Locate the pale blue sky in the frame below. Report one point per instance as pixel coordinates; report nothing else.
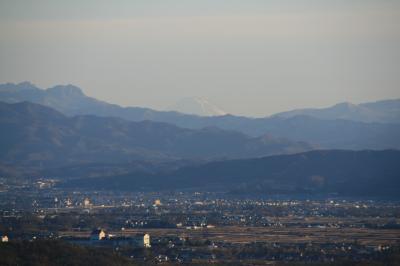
(248, 57)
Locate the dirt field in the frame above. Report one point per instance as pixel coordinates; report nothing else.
(235, 234)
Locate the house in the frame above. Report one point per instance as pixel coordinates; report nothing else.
(157, 202)
(98, 234)
(146, 241)
(86, 203)
(140, 240)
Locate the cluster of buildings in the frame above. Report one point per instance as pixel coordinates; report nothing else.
(100, 237)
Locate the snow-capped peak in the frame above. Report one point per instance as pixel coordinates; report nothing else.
(197, 106)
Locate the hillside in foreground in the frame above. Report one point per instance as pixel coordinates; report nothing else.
(335, 172)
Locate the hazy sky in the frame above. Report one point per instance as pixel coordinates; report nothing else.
(248, 57)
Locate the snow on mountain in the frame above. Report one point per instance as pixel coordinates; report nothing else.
(197, 106)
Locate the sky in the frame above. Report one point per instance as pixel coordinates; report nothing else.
(252, 57)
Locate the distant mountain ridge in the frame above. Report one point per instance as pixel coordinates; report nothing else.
(33, 134)
(385, 111)
(325, 133)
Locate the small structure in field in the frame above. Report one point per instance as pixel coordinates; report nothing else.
(98, 234)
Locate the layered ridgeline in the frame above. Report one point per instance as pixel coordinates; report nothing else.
(334, 172)
(385, 111)
(344, 126)
(35, 135)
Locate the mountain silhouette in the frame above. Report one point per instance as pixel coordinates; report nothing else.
(330, 130)
(33, 134)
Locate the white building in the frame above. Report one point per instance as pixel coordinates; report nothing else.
(86, 202)
(146, 241)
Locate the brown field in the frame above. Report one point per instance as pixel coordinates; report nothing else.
(236, 234)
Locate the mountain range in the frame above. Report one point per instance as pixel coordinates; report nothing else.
(344, 126)
(33, 134)
(385, 111)
(61, 132)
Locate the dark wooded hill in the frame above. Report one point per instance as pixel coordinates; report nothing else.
(350, 173)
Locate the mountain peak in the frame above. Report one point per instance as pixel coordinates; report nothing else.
(66, 90)
(22, 86)
(26, 84)
(197, 106)
(345, 105)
